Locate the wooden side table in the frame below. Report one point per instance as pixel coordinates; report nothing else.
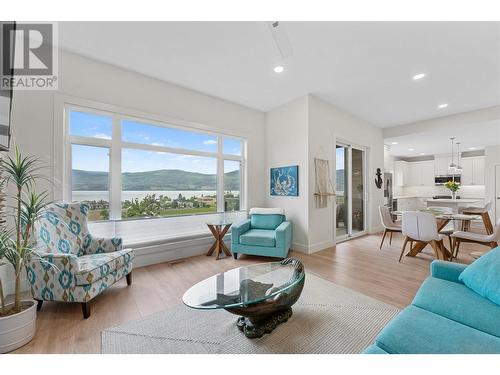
(219, 230)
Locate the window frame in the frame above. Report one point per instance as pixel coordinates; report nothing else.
(116, 145)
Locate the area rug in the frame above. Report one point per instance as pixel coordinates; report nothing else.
(327, 318)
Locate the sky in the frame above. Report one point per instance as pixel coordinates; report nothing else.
(100, 126)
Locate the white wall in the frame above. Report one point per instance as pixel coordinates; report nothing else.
(492, 159)
(306, 128)
(33, 114)
(286, 144)
(327, 124)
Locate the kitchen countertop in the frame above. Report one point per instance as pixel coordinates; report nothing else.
(460, 200)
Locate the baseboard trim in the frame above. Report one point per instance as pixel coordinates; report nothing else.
(300, 248)
(321, 246)
(376, 229)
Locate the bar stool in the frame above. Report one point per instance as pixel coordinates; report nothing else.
(481, 211)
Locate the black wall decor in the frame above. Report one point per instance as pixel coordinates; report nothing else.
(378, 179)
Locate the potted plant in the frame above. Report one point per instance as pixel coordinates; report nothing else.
(453, 187)
(17, 245)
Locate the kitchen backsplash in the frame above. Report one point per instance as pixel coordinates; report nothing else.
(430, 191)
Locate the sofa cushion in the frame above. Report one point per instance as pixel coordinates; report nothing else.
(270, 222)
(96, 266)
(374, 349)
(418, 331)
(457, 302)
(483, 275)
(259, 237)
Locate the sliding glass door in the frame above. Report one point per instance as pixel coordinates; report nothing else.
(350, 201)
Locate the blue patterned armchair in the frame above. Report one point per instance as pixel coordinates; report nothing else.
(72, 265)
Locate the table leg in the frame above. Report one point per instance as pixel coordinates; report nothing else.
(417, 248)
(219, 247)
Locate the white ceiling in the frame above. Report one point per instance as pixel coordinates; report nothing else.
(436, 140)
(365, 68)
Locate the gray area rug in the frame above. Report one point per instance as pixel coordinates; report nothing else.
(327, 318)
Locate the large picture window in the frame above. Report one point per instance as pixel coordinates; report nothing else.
(131, 168)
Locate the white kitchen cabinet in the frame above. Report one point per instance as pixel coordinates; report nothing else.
(427, 173)
(467, 177)
(441, 164)
(472, 171)
(421, 173)
(400, 173)
(478, 171)
(414, 172)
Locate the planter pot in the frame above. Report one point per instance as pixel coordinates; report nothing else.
(18, 329)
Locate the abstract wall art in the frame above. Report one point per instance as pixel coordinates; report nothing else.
(285, 181)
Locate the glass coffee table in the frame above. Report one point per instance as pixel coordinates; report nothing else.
(262, 294)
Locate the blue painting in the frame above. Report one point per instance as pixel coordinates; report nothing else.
(285, 181)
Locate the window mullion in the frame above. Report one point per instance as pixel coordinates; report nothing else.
(220, 175)
(115, 171)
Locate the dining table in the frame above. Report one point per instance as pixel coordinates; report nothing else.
(442, 219)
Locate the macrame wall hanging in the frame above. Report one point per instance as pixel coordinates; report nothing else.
(324, 186)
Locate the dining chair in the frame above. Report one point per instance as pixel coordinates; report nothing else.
(421, 227)
(481, 211)
(490, 240)
(389, 225)
(450, 227)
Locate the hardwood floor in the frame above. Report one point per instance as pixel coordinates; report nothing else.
(357, 264)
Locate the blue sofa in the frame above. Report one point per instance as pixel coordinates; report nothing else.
(444, 317)
(266, 233)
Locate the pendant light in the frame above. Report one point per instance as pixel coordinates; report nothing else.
(459, 167)
(452, 167)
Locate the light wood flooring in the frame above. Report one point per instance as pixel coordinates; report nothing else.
(357, 264)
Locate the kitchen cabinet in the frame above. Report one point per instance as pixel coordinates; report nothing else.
(478, 171)
(441, 164)
(401, 173)
(421, 173)
(472, 171)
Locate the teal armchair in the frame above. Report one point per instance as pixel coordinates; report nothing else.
(265, 233)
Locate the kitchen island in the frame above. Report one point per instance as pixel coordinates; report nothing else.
(455, 204)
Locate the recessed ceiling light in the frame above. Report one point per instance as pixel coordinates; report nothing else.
(279, 69)
(411, 149)
(394, 143)
(444, 105)
(418, 76)
(472, 148)
(422, 153)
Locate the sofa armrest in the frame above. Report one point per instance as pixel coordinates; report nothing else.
(99, 245)
(238, 229)
(58, 261)
(284, 235)
(447, 270)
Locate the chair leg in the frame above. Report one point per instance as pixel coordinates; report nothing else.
(403, 249)
(129, 278)
(86, 310)
(436, 246)
(39, 303)
(457, 244)
(383, 238)
(487, 222)
(390, 239)
(451, 245)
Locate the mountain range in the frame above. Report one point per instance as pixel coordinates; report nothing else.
(163, 179)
